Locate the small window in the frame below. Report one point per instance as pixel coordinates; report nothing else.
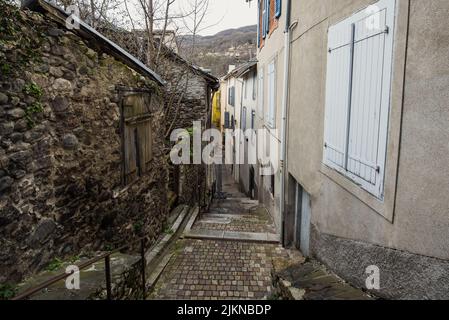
(231, 95)
(243, 119)
(272, 180)
(246, 88)
(226, 120)
(271, 115)
(137, 137)
(260, 100)
(253, 119)
(254, 86)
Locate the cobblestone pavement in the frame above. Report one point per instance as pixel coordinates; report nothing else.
(215, 269)
(207, 268)
(219, 270)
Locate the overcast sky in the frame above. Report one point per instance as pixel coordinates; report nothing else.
(228, 14)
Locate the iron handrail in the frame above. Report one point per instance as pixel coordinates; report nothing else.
(107, 259)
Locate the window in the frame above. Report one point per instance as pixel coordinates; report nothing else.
(254, 86)
(137, 137)
(358, 95)
(278, 8)
(272, 184)
(226, 120)
(243, 125)
(231, 96)
(271, 115)
(265, 24)
(253, 120)
(246, 87)
(260, 102)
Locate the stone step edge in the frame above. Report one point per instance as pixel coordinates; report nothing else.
(252, 237)
(156, 274)
(158, 249)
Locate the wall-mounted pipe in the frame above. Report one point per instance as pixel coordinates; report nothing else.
(287, 38)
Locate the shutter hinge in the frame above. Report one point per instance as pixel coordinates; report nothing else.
(378, 169)
(325, 145)
(387, 30)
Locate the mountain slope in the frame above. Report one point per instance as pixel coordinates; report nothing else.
(233, 46)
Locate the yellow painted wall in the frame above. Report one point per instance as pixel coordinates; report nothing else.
(216, 109)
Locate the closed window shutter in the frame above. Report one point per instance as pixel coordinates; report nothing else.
(371, 98)
(278, 8)
(337, 92)
(264, 18)
(271, 94)
(226, 120)
(267, 16)
(358, 95)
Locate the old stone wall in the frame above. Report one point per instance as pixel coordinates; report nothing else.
(61, 189)
(190, 95)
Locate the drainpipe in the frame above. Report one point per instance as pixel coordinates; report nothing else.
(287, 36)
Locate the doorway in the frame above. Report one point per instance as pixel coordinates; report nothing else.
(302, 221)
(299, 217)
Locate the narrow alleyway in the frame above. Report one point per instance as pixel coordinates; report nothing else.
(233, 252)
(228, 254)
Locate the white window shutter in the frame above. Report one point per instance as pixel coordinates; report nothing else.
(271, 116)
(358, 95)
(371, 97)
(337, 95)
(261, 92)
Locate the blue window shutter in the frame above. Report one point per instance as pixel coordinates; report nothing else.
(267, 16)
(278, 8)
(264, 17)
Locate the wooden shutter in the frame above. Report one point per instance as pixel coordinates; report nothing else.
(278, 9)
(130, 157)
(137, 136)
(358, 95)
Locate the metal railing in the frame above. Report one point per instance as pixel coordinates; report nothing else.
(107, 263)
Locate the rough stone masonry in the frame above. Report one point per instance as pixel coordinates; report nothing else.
(61, 179)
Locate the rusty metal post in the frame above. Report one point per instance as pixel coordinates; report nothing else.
(144, 265)
(107, 269)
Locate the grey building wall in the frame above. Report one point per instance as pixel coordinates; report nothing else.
(414, 217)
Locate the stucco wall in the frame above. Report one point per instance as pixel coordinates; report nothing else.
(272, 49)
(419, 208)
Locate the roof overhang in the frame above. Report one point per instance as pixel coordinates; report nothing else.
(92, 36)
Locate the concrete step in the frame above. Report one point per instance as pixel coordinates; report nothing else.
(268, 238)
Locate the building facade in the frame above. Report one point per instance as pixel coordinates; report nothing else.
(367, 151)
(270, 56)
(82, 155)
